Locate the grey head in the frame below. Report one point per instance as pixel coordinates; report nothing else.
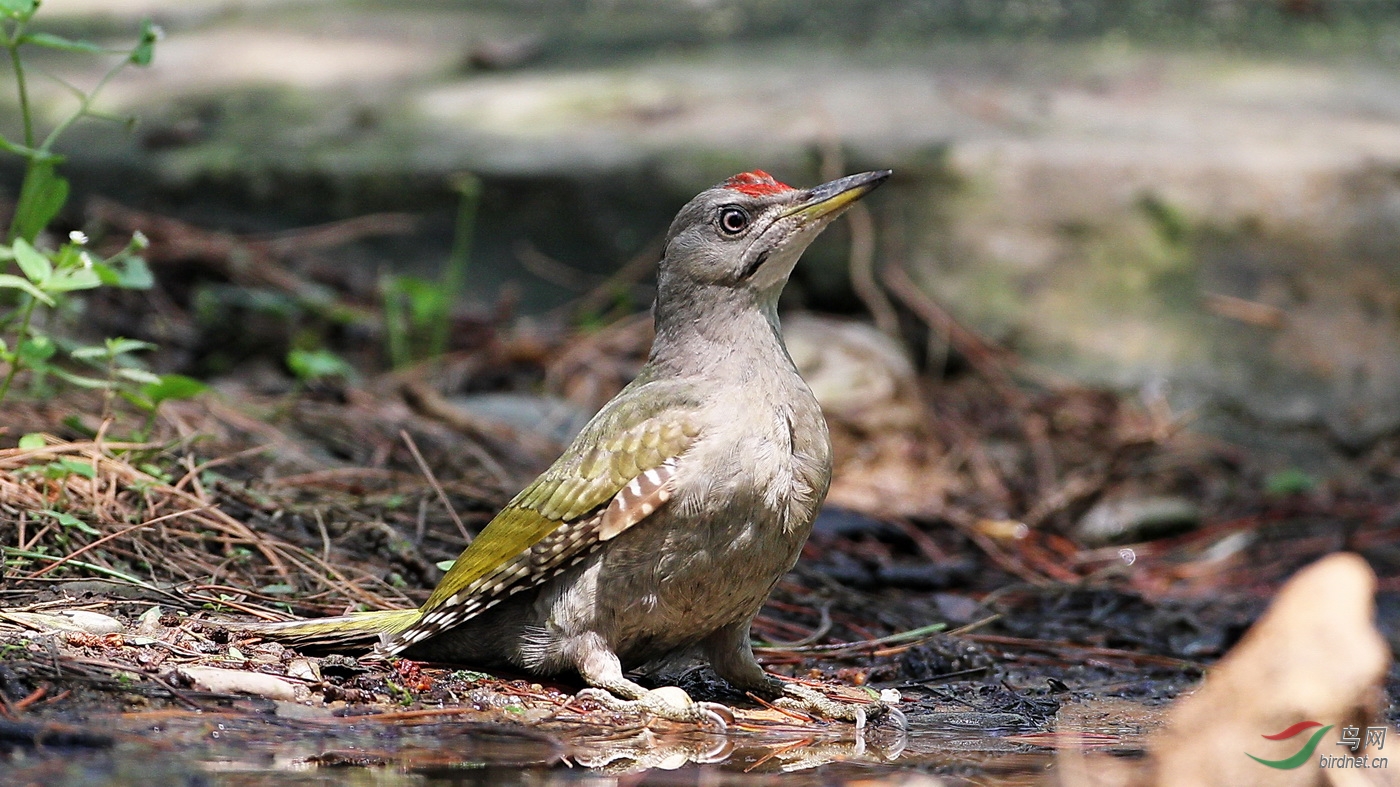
(738, 241)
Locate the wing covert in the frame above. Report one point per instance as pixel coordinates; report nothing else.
(617, 472)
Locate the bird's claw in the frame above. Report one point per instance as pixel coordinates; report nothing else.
(720, 715)
(806, 698)
(668, 702)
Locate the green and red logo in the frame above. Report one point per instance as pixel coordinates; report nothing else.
(1288, 763)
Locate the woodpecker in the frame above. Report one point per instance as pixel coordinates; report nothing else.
(661, 530)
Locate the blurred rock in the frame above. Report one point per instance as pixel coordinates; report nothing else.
(837, 521)
(548, 417)
(72, 620)
(958, 610)
(1388, 618)
(885, 463)
(228, 681)
(943, 656)
(846, 570)
(150, 624)
(1315, 655)
(1134, 519)
(926, 576)
(304, 669)
(861, 376)
(500, 53)
(93, 622)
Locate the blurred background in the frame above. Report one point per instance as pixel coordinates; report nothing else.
(1114, 352)
(1195, 200)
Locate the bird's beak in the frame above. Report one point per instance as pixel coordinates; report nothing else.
(830, 199)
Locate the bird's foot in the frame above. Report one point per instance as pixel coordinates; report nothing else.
(796, 696)
(668, 702)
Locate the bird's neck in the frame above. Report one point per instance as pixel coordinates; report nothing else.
(720, 334)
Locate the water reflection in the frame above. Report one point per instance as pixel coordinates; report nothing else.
(257, 746)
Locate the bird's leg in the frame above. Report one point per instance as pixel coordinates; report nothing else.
(731, 655)
(602, 670)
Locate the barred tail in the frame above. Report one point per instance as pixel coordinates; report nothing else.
(357, 631)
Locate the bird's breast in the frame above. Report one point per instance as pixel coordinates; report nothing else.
(745, 495)
(763, 461)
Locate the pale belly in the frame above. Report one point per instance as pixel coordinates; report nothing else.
(669, 594)
(705, 561)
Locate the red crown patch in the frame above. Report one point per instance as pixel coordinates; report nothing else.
(756, 184)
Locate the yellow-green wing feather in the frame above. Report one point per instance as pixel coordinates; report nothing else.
(559, 517)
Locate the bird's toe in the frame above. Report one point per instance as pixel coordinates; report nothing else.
(667, 702)
(806, 698)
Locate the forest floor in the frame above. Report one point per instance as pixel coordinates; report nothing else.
(1035, 566)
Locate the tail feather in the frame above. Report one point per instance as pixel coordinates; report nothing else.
(354, 632)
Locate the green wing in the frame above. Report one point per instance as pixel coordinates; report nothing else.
(558, 517)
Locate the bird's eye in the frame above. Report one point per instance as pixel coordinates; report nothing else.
(733, 220)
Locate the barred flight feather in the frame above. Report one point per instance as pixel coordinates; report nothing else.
(359, 630)
(567, 545)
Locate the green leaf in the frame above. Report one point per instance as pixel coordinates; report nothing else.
(78, 467)
(126, 271)
(427, 301)
(32, 441)
(1289, 482)
(9, 281)
(90, 353)
(109, 275)
(75, 279)
(155, 471)
(139, 401)
(71, 255)
(34, 263)
(310, 365)
(59, 42)
(139, 376)
(36, 351)
(61, 469)
(173, 386)
(146, 49)
(137, 274)
(18, 9)
(76, 426)
(40, 199)
(68, 520)
(446, 565)
(92, 383)
(118, 345)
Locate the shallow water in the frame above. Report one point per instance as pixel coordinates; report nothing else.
(247, 746)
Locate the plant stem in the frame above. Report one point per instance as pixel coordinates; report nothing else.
(19, 343)
(144, 433)
(396, 327)
(94, 568)
(84, 105)
(12, 44)
(111, 390)
(455, 276)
